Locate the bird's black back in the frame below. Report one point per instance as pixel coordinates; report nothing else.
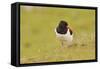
(71, 32)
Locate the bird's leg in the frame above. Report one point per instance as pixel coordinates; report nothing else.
(69, 43)
(62, 43)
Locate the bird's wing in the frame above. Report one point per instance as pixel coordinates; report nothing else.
(71, 32)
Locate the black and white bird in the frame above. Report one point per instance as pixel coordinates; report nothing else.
(64, 33)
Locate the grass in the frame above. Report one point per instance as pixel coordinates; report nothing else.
(38, 39)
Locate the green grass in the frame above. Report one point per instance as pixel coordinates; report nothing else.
(38, 39)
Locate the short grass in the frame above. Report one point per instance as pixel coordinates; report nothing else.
(38, 39)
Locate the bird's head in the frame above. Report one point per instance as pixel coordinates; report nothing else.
(63, 24)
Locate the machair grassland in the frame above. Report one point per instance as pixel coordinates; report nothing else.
(38, 39)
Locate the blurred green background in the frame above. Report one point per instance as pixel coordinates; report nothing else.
(38, 39)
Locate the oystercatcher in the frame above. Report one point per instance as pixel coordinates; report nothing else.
(64, 33)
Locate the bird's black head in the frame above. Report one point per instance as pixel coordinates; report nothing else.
(63, 24)
(62, 27)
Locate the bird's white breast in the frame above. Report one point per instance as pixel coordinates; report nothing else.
(66, 37)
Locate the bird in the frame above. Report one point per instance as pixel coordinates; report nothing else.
(64, 33)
